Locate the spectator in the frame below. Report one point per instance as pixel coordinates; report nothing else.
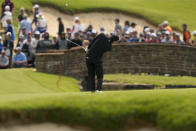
(55, 42)
(86, 44)
(68, 29)
(35, 41)
(19, 60)
(8, 45)
(45, 44)
(4, 60)
(21, 41)
(178, 40)
(7, 3)
(61, 26)
(41, 24)
(167, 27)
(126, 27)
(194, 40)
(1, 44)
(63, 43)
(78, 26)
(25, 24)
(167, 38)
(102, 30)
(76, 40)
(141, 37)
(36, 12)
(10, 29)
(132, 27)
(21, 15)
(186, 34)
(117, 27)
(6, 15)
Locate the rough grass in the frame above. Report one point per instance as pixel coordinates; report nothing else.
(159, 81)
(29, 96)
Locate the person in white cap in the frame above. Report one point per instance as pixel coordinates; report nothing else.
(19, 59)
(36, 12)
(167, 27)
(78, 26)
(21, 41)
(7, 3)
(167, 38)
(41, 24)
(178, 39)
(6, 15)
(4, 60)
(8, 44)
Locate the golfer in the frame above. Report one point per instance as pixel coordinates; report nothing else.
(96, 49)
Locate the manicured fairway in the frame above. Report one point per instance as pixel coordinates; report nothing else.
(32, 97)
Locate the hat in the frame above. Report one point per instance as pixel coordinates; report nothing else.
(177, 34)
(37, 33)
(68, 27)
(39, 16)
(153, 35)
(3, 51)
(18, 48)
(0, 38)
(165, 22)
(147, 30)
(76, 18)
(7, 8)
(21, 36)
(94, 31)
(194, 32)
(36, 6)
(8, 33)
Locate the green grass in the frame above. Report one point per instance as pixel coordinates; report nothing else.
(29, 81)
(32, 97)
(159, 81)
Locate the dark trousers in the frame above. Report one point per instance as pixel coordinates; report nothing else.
(95, 68)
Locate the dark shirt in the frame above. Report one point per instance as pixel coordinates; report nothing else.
(61, 28)
(20, 17)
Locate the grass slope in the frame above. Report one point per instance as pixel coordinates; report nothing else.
(158, 81)
(29, 81)
(29, 96)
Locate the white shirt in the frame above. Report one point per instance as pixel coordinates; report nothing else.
(78, 27)
(42, 23)
(7, 15)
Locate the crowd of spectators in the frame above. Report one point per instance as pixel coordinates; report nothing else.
(31, 41)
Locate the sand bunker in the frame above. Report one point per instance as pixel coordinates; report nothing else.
(97, 19)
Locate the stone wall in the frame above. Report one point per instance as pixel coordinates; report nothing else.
(125, 58)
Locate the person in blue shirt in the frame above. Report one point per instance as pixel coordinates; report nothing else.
(19, 60)
(10, 29)
(26, 25)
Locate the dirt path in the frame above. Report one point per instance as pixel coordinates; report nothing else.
(97, 19)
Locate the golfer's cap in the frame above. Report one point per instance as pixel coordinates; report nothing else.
(167, 32)
(7, 8)
(76, 18)
(8, 33)
(148, 33)
(21, 36)
(127, 32)
(0, 38)
(165, 22)
(36, 6)
(194, 32)
(18, 48)
(37, 33)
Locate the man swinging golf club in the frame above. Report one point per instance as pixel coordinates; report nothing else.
(96, 49)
